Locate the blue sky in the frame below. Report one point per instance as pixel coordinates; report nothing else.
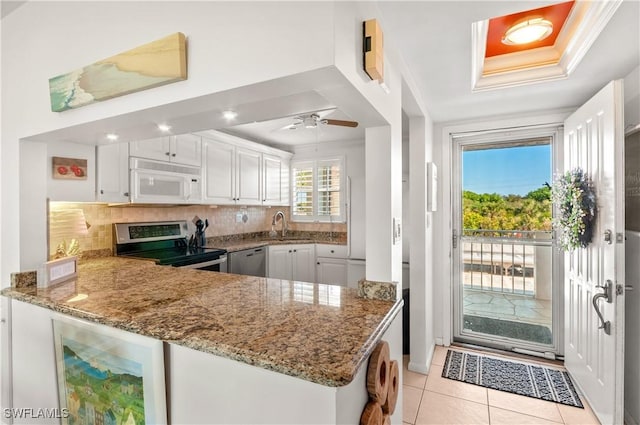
(506, 171)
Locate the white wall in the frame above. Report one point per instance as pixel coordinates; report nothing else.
(632, 99)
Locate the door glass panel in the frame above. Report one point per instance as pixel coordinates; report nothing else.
(506, 255)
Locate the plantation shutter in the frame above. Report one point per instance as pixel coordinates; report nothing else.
(329, 189)
(302, 189)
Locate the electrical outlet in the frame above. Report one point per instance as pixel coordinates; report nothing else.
(239, 217)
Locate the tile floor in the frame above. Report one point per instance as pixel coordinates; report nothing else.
(435, 400)
(496, 305)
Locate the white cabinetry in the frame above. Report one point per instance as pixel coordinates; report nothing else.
(275, 172)
(248, 176)
(231, 174)
(237, 171)
(181, 149)
(331, 264)
(332, 271)
(292, 262)
(113, 173)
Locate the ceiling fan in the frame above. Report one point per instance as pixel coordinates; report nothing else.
(312, 120)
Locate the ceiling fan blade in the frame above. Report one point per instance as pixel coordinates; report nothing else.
(342, 123)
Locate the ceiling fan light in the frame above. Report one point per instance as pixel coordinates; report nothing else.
(528, 31)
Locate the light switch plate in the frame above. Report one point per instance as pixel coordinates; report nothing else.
(397, 230)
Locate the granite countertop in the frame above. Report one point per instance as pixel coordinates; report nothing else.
(319, 333)
(240, 244)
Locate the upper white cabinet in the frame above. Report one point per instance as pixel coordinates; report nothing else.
(231, 174)
(275, 171)
(181, 149)
(113, 173)
(236, 171)
(249, 177)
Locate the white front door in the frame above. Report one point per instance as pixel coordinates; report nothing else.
(593, 141)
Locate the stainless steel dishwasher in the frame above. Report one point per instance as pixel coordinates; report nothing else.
(250, 262)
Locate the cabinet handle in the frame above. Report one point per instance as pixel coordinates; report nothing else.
(126, 194)
(289, 250)
(167, 153)
(332, 251)
(101, 192)
(295, 250)
(318, 263)
(173, 154)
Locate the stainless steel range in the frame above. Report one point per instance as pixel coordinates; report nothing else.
(166, 242)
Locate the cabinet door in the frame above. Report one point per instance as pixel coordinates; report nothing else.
(332, 271)
(272, 179)
(249, 177)
(186, 149)
(284, 183)
(113, 173)
(279, 262)
(158, 148)
(218, 169)
(304, 263)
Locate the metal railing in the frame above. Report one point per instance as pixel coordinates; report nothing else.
(506, 261)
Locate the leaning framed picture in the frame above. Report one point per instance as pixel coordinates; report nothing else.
(108, 376)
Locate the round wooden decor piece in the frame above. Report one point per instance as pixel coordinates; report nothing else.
(372, 414)
(389, 405)
(378, 372)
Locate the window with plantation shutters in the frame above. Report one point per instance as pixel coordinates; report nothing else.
(302, 202)
(318, 190)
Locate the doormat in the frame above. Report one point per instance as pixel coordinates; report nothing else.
(514, 377)
(516, 330)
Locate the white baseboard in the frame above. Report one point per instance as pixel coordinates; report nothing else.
(423, 368)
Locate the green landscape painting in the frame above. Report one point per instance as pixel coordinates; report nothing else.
(101, 388)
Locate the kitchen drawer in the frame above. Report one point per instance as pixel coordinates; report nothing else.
(331, 251)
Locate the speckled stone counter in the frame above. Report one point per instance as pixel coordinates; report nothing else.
(233, 245)
(319, 333)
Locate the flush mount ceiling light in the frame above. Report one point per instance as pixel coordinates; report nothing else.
(229, 115)
(112, 136)
(528, 31)
(164, 128)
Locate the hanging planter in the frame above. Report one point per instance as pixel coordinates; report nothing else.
(575, 200)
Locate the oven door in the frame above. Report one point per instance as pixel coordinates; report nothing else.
(218, 265)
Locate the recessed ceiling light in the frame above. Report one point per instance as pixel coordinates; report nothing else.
(164, 127)
(112, 136)
(229, 115)
(528, 31)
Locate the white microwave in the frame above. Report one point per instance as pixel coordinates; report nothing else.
(164, 183)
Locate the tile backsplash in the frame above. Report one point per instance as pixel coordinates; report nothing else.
(222, 220)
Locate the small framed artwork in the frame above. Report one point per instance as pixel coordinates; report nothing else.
(69, 168)
(108, 376)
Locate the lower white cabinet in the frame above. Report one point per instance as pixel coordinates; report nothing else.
(332, 271)
(292, 262)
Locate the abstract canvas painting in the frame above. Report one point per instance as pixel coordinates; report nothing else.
(154, 64)
(107, 376)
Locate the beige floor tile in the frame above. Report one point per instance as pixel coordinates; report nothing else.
(507, 417)
(441, 409)
(438, 384)
(525, 405)
(439, 355)
(576, 416)
(410, 403)
(414, 379)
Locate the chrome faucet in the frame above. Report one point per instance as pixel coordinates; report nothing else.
(280, 214)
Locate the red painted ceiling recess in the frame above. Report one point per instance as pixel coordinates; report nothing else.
(556, 13)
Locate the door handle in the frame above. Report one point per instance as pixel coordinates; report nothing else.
(608, 296)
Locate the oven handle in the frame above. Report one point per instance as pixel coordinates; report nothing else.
(222, 259)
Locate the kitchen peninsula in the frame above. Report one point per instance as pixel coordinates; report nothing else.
(238, 349)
